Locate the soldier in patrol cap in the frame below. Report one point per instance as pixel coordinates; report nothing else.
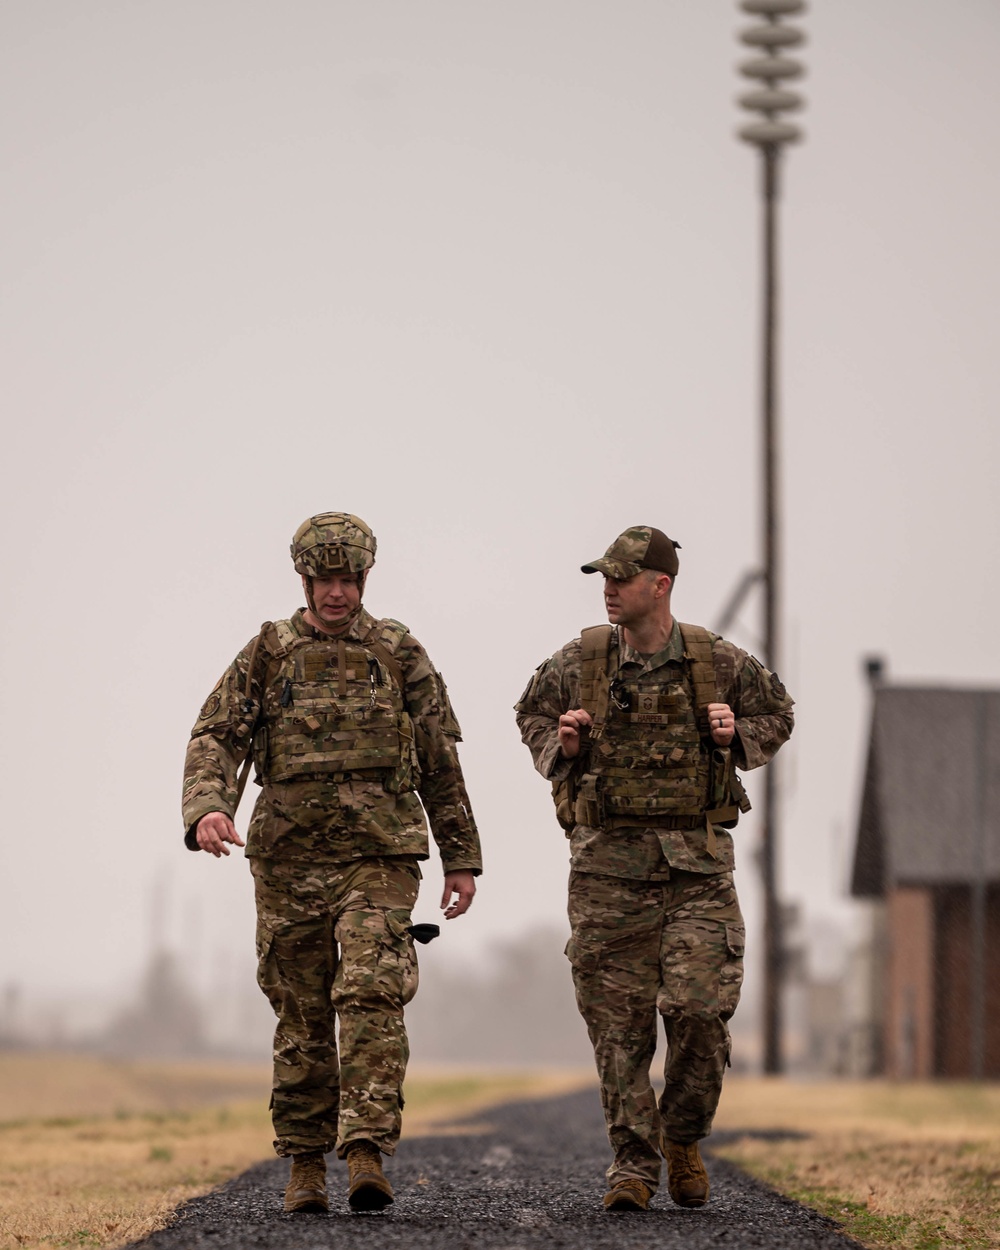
(353, 738)
(639, 726)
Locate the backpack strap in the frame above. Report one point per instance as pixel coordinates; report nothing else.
(698, 653)
(595, 650)
(241, 783)
(727, 790)
(384, 639)
(251, 666)
(284, 638)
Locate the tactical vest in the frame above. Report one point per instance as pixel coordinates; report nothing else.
(650, 758)
(647, 756)
(334, 707)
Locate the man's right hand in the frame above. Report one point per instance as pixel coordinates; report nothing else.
(572, 726)
(213, 831)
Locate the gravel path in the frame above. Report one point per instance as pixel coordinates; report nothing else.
(535, 1181)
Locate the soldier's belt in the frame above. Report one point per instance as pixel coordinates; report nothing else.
(317, 771)
(654, 820)
(634, 775)
(716, 816)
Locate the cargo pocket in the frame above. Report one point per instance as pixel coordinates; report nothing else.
(267, 969)
(564, 797)
(731, 975)
(584, 956)
(400, 953)
(588, 804)
(585, 961)
(378, 968)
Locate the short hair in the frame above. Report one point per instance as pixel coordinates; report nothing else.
(652, 574)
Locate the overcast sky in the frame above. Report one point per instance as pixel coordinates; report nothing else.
(487, 275)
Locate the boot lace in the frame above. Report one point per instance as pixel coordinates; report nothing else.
(364, 1157)
(685, 1163)
(309, 1172)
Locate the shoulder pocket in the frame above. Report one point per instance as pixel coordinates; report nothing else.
(449, 721)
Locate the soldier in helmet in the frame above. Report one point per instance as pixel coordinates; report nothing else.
(352, 737)
(639, 725)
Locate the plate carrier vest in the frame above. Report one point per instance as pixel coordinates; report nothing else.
(332, 707)
(650, 758)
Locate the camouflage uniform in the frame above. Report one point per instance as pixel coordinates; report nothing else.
(655, 922)
(335, 862)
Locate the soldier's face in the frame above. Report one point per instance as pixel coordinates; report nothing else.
(630, 601)
(336, 597)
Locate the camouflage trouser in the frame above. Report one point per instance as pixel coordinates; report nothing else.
(642, 947)
(332, 943)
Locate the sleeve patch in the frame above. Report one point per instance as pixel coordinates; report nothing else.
(210, 706)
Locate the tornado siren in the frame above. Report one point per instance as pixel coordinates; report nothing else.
(772, 70)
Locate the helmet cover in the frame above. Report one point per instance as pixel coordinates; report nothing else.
(333, 542)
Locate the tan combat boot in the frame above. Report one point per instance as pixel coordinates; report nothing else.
(368, 1188)
(306, 1189)
(628, 1195)
(687, 1179)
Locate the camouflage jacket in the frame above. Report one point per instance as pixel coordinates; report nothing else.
(326, 816)
(763, 712)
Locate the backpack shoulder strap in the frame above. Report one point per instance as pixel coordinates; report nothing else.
(264, 639)
(281, 637)
(595, 649)
(698, 653)
(276, 639)
(384, 639)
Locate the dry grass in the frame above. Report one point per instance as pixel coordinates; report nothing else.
(898, 1165)
(99, 1154)
(94, 1153)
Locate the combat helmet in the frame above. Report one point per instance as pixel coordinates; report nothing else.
(333, 542)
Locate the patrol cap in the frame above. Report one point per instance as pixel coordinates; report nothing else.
(640, 547)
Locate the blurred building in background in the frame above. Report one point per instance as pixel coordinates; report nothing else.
(928, 856)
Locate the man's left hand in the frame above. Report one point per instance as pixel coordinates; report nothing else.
(463, 883)
(721, 723)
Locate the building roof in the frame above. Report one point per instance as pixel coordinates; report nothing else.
(930, 810)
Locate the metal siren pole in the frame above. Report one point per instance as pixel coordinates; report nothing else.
(771, 68)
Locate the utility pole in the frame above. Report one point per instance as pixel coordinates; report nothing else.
(771, 69)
